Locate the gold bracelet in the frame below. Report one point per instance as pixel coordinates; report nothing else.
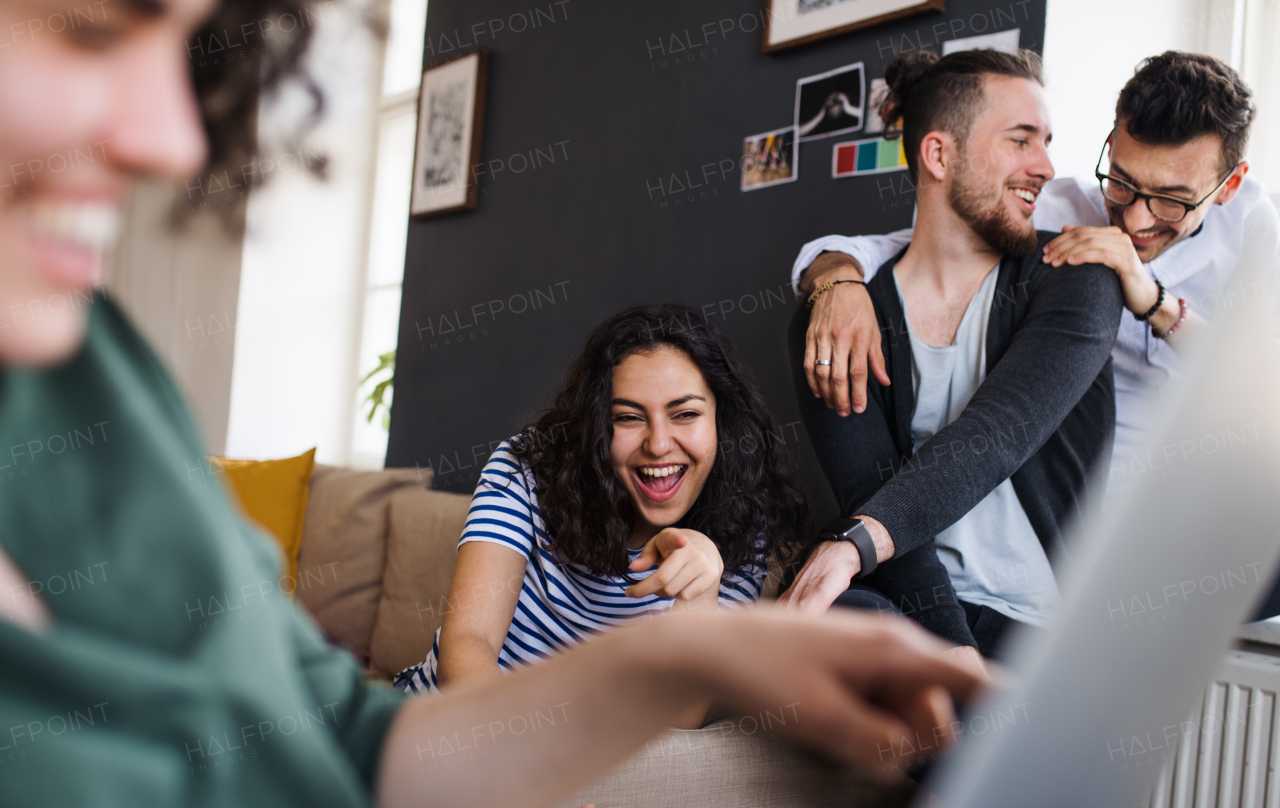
(824, 288)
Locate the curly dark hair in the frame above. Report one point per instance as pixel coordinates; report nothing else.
(245, 49)
(750, 495)
(945, 94)
(1176, 97)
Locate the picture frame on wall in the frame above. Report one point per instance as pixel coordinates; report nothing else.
(450, 125)
(798, 22)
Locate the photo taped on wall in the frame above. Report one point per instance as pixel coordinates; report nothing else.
(830, 103)
(768, 159)
(879, 91)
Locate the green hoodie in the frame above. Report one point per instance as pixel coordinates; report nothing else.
(175, 672)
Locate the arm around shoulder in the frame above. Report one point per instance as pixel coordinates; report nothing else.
(867, 253)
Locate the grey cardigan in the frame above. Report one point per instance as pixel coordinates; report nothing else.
(1044, 415)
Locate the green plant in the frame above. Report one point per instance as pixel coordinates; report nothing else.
(378, 398)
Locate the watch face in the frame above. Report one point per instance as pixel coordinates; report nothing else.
(839, 529)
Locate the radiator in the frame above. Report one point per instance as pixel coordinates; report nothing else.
(1228, 750)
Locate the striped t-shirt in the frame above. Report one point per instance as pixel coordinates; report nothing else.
(561, 603)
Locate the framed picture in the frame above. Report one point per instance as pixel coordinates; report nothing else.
(769, 159)
(450, 123)
(830, 103)
(795, 22)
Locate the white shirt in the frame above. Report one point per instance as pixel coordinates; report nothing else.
(992, 554)
(1196, 268)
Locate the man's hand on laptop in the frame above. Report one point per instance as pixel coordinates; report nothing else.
(842, 330)
(827, 573)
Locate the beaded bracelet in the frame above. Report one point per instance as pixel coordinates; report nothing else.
(1182, 315)
(824, 288)
(1159, 299)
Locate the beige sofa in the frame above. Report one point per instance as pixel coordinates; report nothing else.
(377, 552)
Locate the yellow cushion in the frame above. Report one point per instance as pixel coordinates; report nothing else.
(273, 493)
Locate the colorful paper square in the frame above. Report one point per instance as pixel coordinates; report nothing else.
(871, 156)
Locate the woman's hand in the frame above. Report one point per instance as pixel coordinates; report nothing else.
(689, 568)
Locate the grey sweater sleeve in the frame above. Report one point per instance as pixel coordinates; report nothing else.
(1056, 352)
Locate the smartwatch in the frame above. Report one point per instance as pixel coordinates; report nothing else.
(843, 528)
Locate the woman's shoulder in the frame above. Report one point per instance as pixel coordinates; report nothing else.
(508, 457)
(506, 468)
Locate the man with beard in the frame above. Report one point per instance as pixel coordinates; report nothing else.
(1170, 211)
(996, 398)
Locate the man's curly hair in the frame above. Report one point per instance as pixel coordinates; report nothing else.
(1176, 97)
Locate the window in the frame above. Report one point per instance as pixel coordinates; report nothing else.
(1254, 54)
(388, 218)
(1082, 91)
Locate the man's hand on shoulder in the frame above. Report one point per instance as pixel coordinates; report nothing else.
(1111, 247)
(843, 334)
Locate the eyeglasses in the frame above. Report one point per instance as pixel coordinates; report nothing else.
(1165, 208)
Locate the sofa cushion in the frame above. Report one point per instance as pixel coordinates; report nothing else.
(738, 763)
(344, 548)
(273, 493)
(422, 547)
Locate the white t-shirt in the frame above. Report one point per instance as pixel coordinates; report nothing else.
(992, 553)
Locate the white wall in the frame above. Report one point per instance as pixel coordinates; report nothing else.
(293, 384)
(1093, 46)
(180, 285)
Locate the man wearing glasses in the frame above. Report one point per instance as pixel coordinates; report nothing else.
(1171, 211)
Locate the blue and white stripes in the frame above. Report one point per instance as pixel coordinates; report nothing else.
(561, 604)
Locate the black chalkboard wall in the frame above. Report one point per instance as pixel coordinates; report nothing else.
(612, 138)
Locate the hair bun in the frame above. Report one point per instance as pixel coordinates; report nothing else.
(902, 74)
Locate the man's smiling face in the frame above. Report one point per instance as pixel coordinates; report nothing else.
(1004, 165)
(1187, 171)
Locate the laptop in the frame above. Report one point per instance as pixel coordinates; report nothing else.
(1156, 582)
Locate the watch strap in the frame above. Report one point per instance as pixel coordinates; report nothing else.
(844, 528)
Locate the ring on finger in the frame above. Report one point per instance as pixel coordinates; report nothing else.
(822, 363)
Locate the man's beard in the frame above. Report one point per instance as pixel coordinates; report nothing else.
(989, 221)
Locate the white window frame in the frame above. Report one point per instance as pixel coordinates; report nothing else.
(389, 107)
